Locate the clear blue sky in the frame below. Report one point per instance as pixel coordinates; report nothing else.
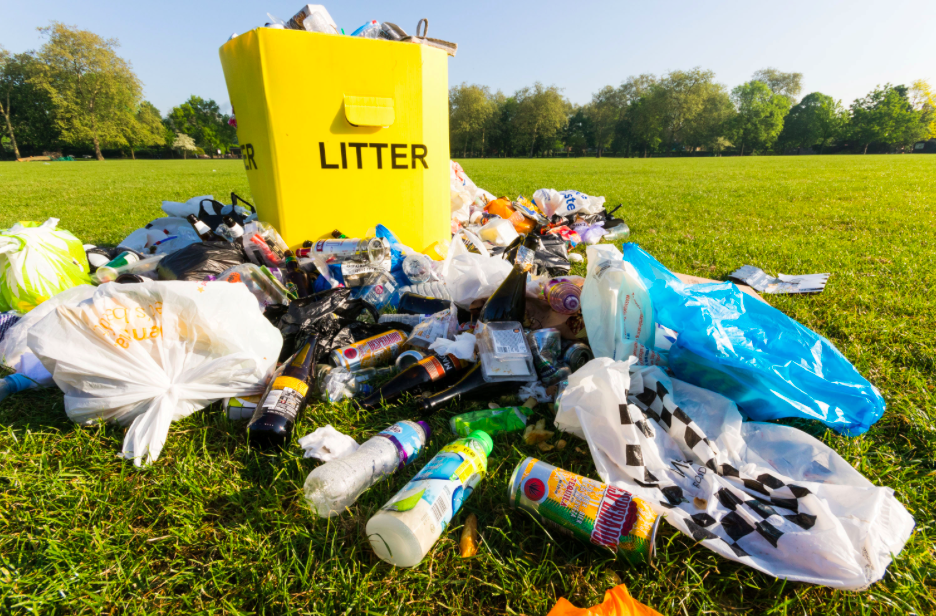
(843, 47)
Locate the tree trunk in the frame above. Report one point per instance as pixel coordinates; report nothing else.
(132, 153)
(533, 143)
(465, 150)
(866, 148)
(6, 114)
(742, 148)
(184, 154)
(482, 143)
(97, 149)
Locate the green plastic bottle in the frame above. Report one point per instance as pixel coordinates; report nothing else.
(493, 421)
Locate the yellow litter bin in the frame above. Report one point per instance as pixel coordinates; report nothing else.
(342, 132)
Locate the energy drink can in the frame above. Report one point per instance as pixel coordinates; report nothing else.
(370, 352)
(602, 514)
(577, 355)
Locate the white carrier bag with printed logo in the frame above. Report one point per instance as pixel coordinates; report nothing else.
(149, 354)
(766, 495)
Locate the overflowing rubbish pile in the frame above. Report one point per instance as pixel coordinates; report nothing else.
(208, 304)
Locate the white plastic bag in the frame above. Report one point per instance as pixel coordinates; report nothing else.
(168, 234)
(153, 353)
(567, 202)
(616, 306)
(469, 276)
(14, 348)
(193, 206)
(766, 495)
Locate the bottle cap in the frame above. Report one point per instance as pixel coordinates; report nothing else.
(485, 439)
(426, 429)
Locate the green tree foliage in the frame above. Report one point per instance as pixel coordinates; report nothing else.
(785, 84)
(90, 86)
(144, 128)
(603, 113)
(202, 120)
(759, 118)
(886, 116)
(695, 108)
(815, 120)
(579, 133)
(541, 112)
(470, 111)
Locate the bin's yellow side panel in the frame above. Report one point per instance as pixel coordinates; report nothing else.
(324, 172)
(243, 72)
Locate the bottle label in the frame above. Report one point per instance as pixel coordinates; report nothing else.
(285, 397)
(408, 440)
(439, 366)
(443, 484)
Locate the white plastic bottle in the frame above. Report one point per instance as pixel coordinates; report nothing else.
(616, 306)
(405, 529)
(335, 485)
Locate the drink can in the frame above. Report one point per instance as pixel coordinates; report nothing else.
(577, 355)
(408, 358)
(602, 514)
(375, 351)
(373, 250)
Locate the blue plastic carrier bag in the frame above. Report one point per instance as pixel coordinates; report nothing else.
(767, 363)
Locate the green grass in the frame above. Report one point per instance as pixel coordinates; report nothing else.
(215, 528)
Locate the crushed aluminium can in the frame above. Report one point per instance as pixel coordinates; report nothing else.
(602, 514)
(371, 352)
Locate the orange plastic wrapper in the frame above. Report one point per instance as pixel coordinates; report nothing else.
(617, 602)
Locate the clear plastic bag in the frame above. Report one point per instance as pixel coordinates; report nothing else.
(468, 275)
(616, 306)
(767, 363)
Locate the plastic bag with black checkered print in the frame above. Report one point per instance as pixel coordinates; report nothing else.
(769, 496)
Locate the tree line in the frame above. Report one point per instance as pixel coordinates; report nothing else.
(688, 112)
(77, 94)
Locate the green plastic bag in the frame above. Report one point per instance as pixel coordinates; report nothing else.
(37, 262)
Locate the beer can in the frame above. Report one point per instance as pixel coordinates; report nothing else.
(577, 355)
(602, 514)
(371, 352)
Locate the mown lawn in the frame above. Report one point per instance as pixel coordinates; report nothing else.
(215, 528)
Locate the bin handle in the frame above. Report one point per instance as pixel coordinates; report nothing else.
(371, 111)
(424, 22)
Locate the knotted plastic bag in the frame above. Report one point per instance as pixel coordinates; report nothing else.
(149, 354)
(37, 262)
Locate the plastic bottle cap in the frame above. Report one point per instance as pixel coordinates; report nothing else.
(426, 429)
(485, 438)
